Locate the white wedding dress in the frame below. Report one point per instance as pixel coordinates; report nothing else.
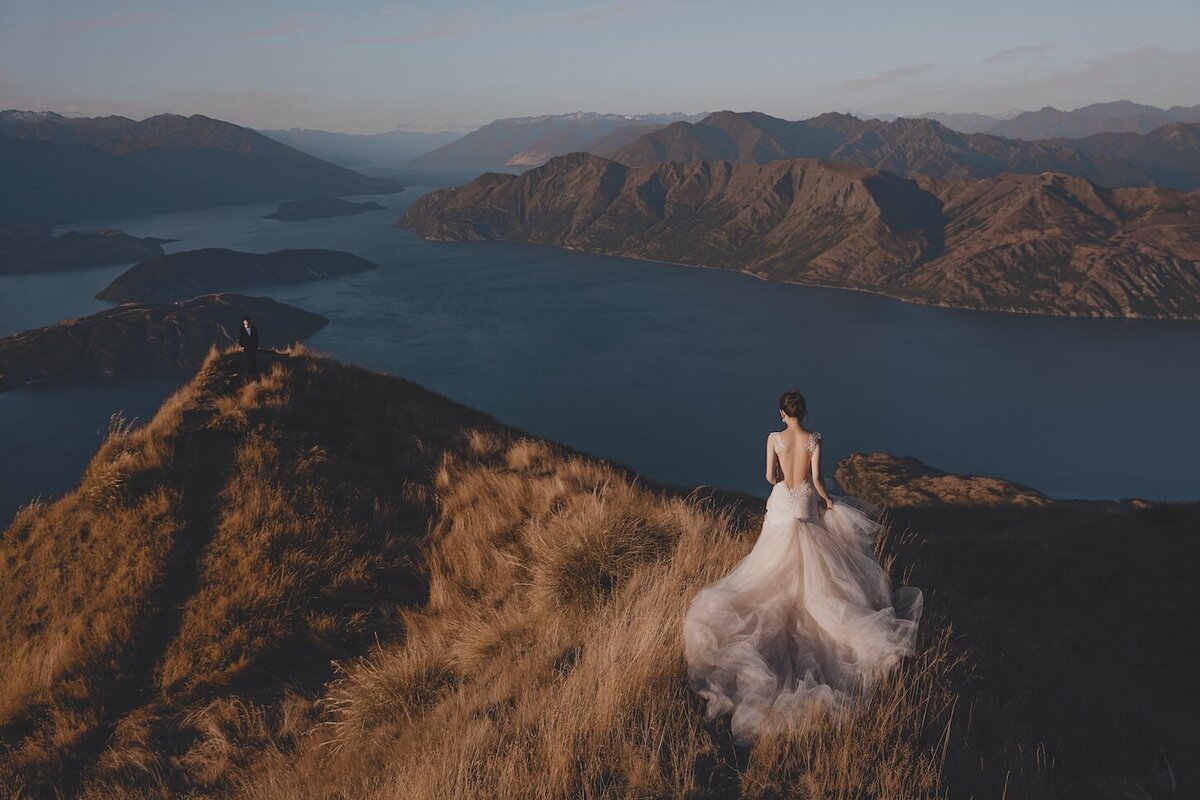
(807, 618)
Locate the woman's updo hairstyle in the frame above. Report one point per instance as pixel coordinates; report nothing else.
(792, 403)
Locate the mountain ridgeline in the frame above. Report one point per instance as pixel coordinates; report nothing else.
(1120, 116)
(62, 169)
(1168, 157)
(531, 141)
(1050, 243)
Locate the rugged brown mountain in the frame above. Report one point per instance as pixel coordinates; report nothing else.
(905, 146)
(136, 340)
(1033, 243)
(75, 249)
(179, 276)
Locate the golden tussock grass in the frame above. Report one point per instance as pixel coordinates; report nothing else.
(328, 583)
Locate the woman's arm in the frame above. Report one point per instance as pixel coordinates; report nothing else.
(771, 460)
(819, 484)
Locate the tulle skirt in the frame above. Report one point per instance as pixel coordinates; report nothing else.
(807, 618)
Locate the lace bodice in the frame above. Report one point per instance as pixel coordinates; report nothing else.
(799, 501)
(814, 439)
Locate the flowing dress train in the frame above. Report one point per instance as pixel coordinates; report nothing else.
(808, 617)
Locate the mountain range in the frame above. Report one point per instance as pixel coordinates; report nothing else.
(531, 141)
(1048, 243)
(363, 150)
(1169, 156)
(61, 169)
(1120, 116)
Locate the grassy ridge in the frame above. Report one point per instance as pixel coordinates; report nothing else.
(332, 583)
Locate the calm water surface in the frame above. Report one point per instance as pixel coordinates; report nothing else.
(673, 371)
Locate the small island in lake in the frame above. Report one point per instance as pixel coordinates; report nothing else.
(30, 248)
(133, 340)
(320, 208)
(182, 275)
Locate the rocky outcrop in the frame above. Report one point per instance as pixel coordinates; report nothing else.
(901, 482)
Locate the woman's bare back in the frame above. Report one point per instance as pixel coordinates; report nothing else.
(793, 451)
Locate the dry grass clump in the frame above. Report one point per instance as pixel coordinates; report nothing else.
(548, 661)
(329, 583)
(899, 747)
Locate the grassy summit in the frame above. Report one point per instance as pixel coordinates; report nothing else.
(333, 583)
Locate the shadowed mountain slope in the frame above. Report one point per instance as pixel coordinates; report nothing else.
(31, 249)
(505, 617)
(60, 169)
(1033, 243)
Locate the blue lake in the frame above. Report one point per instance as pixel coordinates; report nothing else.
(674, 371)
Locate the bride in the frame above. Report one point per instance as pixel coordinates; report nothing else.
(808, 617)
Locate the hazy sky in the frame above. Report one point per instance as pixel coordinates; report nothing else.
(366, 66)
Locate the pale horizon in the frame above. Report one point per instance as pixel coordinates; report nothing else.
(384, 66)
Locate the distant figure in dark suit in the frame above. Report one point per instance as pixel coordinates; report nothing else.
(248, 341)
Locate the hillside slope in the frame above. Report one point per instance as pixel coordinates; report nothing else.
(1050, 243)
(505, 618)
(133, 340)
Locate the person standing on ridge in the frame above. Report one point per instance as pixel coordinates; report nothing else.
(248, 341)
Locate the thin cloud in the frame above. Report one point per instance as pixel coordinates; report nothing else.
(439, 32)
(1155, 75)
(885, 77)
(123, 19)
(456, 24)
(252, 99)
(1025, 51)
(596, 13)
(284, 27)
